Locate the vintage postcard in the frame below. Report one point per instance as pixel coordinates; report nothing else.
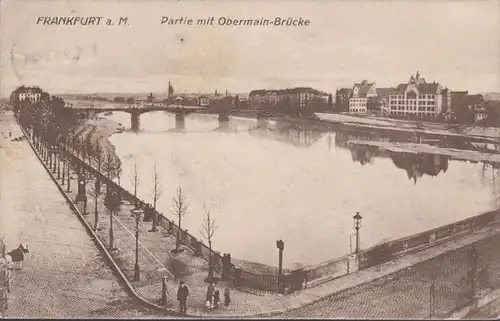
(250, 159)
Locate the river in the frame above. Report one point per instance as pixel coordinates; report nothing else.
(301, 186)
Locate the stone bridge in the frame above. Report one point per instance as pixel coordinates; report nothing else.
(179, 111)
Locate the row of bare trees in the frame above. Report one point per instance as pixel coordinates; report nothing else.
(105, 162)
(208, 228)
(180, 209)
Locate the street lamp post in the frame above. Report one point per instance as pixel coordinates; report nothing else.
(281, 246)
(357, 225)
(137, 213)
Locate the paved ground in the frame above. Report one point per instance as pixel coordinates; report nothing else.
(406, 294)
(489, 311)
(64, 276)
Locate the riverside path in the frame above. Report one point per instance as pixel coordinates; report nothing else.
(407, 293)
(64, 275)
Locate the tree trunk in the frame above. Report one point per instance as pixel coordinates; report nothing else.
(178, 240)
(69, 177)
(96, 214)
(64, 169)
(210, 265)
(111, 235)
(155, 223)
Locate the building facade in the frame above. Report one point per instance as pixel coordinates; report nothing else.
(342, 97)
(302, 99)
(204, 101)
(29, 94)
(384, 94)
(420, 99)
(361, 92)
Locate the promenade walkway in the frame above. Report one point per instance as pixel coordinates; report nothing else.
(64, 276)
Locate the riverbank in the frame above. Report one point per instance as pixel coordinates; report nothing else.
(99, 130)
(489, 134)
(411, 148)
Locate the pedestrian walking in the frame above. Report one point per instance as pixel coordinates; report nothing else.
(164, 290)
(216, 299)
(209, 296)
(227, 297)
(182, 295)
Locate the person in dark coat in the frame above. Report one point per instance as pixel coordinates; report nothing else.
(227, 297)
(182, 295)
(216, 299)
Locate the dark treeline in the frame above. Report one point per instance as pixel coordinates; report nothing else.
(53, 124)
(45, 114)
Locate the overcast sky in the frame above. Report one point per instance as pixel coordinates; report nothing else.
(454, 42)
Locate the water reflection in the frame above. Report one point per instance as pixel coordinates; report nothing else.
(276, 180)
(289, 133)
(418, 165)
(415, 164)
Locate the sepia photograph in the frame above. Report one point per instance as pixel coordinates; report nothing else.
(250, 159)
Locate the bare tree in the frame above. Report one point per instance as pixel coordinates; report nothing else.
(89, 149)
(134, 178)
(207, 231)
(83, 150)
(118, 172)
(77, 145)
(99, 155)
(95, 192)
(109, 167)
(179, 209)
(157, 190)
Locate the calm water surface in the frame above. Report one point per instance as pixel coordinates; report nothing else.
(301, 186)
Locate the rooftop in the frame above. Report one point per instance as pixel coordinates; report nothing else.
(296, 90)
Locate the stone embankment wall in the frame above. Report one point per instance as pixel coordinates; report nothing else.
(388, 251)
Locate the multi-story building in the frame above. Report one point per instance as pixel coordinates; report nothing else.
(299, 98)
(342, 97)
(30, 94)
(259, 98)
(204, 101)
(418, 98)
(361, 92)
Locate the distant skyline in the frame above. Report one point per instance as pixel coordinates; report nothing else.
(455, 43)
